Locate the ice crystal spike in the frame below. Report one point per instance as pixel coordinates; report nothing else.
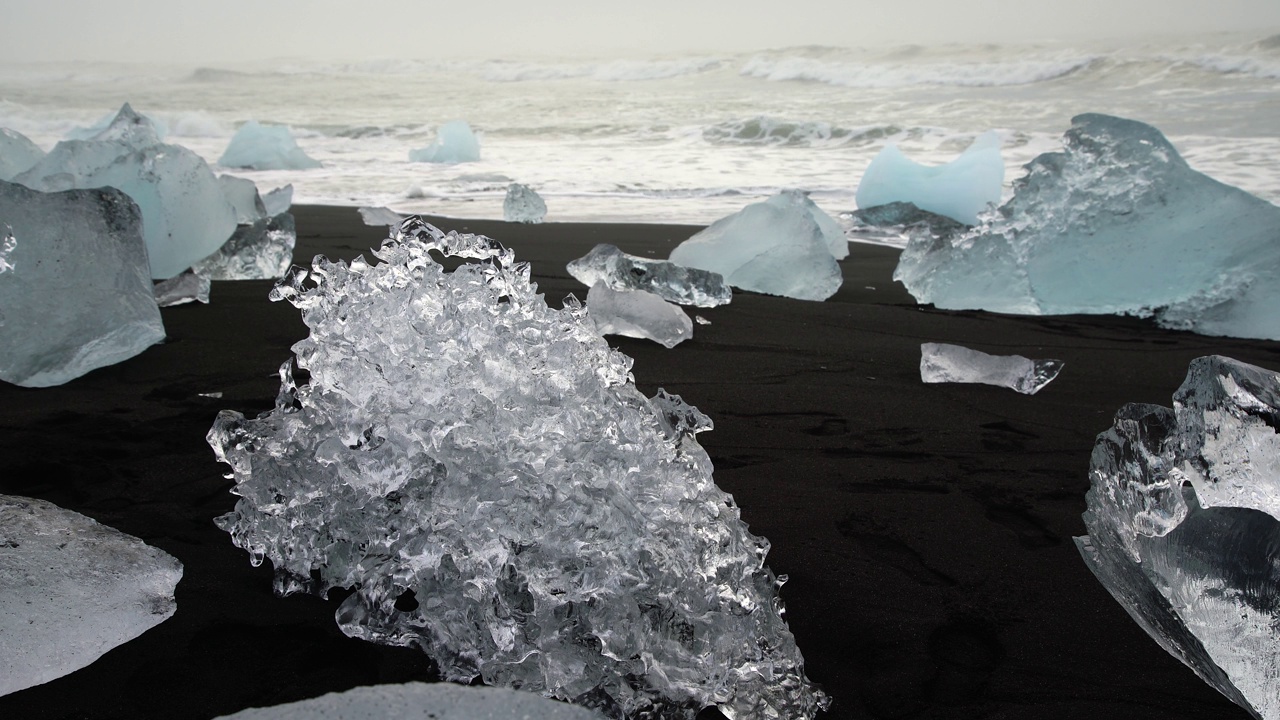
(461, 439)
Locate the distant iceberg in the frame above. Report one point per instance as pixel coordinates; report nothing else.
(455, 143)
(960, 189)
(523, 205)
(265, 147)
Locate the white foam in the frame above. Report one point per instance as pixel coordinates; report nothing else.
(889, 75)
(611, 71)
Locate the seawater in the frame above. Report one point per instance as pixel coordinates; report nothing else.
(679, 138)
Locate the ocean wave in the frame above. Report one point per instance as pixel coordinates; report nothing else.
(213, 75)
(609, 71)
(764, 130)
(891, 75)
(1239, 64)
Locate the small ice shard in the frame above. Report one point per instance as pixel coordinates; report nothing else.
(73, 589)
(129, 128)
(959, 189)
(673, 283)
(181, 289)
(278, 201)
(637, 314)
(942, 363)
(422, 701)
(454, 143)
(17, 154)
(836, 241)
(701, 320)
(262, 250)
(214, 395)
(243, 195)
(775, 248)
(460, 439)
(383, 216)
(1184, 521)
(79, 295)
(1116, 223)
(265, 147)
(523, 205)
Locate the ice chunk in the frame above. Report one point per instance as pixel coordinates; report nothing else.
(831, 231)
(78, 296)
(73, 589)
(7, 245)
(265, 147)
(896, 222)
(769, 247)
(960, 189)
(1183, 526)
(278, 201)
(673, 283)
(942, 363)
(637, 314)
(244, 198)
(182, 289)
(454, 143)
(129, 128)
(17, 154)
(420, 701)
(560, 533)
(523, 205)
(262, 250)
(381, 216)
(1117, 223)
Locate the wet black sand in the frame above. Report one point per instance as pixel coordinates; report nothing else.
(926, 529)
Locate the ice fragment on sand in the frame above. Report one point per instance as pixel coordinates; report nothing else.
(73, 589)
(243, 196)
(454, 143)
(265, 147)
(637, 314)
(960, 189)
(422, 701)
(17, 154)
(262, 250)
(278, 201)
(182, 289)
(1116, 223)
(673, 283)
(769, 247)
(460, 439)
(831, 231)
(1184, 521)
(381, 216)
(942, 363)
(523, 205)
(79, 296)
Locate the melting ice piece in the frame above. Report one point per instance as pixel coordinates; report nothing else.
(673, 283)
(769, 247)
(637, 314)
(278, 201)
(1117, 223)
(1184, 521)
(896, 222)
(262, 250)
(79, 296)
(17, 154)
(422, 701)
(243, 195)
(381, 216)
(960, 189)
(265, 147)
(460, 439)
(182, 289)
(831, 231)
(942, 363)
(73, 589)
(454, 143)
(523, 205)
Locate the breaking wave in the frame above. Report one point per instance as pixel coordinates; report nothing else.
(891, 75)
(613, 70)
(1233, 64)
(764, 130)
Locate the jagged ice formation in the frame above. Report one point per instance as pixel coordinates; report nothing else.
(523, 204)
(17, 154)
(943, 363)
(462, 441)
(669, 281)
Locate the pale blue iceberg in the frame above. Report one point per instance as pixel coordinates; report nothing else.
(1115, 223)
(637, 314)
(422, 701)
(265, 147)
(454, 143)
(523, 205)
(837, 243)
(17, 154)
(131, 128)
(960, 189)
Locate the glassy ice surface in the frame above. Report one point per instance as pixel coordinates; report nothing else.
(960, 189)
(243, 196)
(943, 363)
(17, 154)
(278, 201)
(1184, 525)
(775, 248)
(383, 216)
(265, 147)
(422, 701)
(182, 289)
(638, 314)
(673, 283)
(79, 295)
(262, 250)
(523, 205)
(455, 143)
(129, 128)
(831, 230)
(895, 223)
(73, 589)
(460, 439)
(1116, 223)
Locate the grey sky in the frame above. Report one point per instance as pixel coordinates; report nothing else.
(227, 30)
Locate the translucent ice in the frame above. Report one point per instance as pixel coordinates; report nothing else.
(1184, 521)
(73, 589)
(463, 444)
(942, 363)
(1116, 223)
(454, 143)
(385, 217)
(79, 295)
(265, 147)
(960, 189)
(422, 701)
(896, 222)
(17, 154)
(637, 314)
(278, 201)
(769, 247)
(182, 289)
(129, 128)
(673, 283)
(831, 231)
(243, 195)
(523, 205)
(262, 250)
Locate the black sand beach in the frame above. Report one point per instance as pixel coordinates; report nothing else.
(926, 529)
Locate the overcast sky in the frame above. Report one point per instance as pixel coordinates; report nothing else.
(225, 30)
